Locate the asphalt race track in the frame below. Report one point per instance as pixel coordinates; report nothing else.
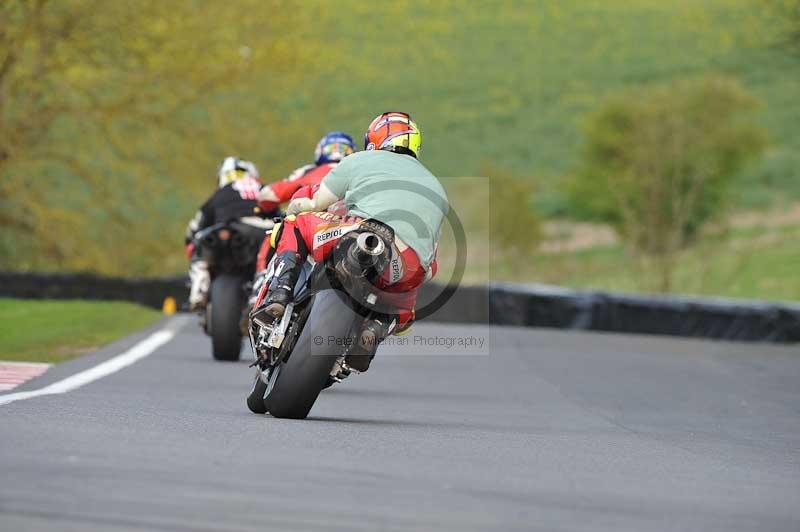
(540, 430)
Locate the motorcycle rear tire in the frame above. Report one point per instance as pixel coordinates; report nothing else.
(227, 302)
(308, 369)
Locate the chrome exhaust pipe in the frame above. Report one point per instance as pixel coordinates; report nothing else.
(370, 244)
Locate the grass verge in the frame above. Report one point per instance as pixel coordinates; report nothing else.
(752, 263)
(54, 331)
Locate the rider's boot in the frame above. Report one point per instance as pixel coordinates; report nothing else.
(201, 282)
(287, 270)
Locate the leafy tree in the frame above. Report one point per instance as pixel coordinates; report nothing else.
(788, 14)
(657, 162)
(109, 111)
(515, 225)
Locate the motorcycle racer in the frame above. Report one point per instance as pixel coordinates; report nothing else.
(386, 183)
(236, 197)
(330, 151)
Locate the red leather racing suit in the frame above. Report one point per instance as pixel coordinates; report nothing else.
(317, 233)
(283, 190)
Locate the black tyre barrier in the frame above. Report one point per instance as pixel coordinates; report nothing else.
(150, 292)
(561, 308)
(498, 303)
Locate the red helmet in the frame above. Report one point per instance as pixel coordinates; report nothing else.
(395, 132)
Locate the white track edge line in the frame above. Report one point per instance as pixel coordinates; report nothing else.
(139, 351)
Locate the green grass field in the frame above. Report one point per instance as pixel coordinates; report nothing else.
(54, 331)
(508, 82)
(752, 263)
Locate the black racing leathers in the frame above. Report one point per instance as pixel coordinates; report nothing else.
(226, 204)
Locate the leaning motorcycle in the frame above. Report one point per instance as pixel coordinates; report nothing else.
(230, 249)
(320, 339)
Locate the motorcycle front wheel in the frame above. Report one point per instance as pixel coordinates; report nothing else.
(255, 401)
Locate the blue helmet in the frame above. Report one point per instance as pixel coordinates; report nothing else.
(333, 147)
